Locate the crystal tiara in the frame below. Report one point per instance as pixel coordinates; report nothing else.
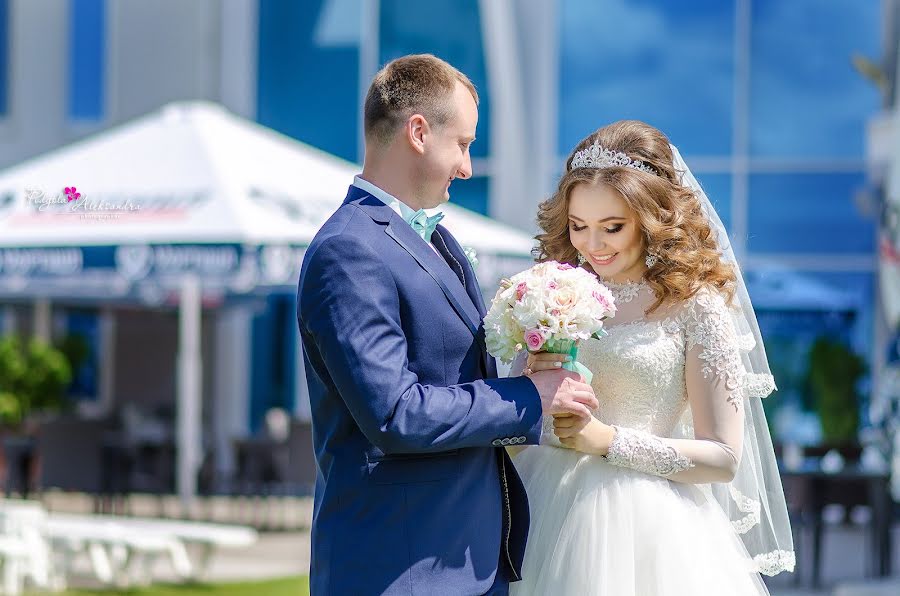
(597, 156)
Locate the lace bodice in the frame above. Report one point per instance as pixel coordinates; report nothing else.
(640, 368)
(639, 375)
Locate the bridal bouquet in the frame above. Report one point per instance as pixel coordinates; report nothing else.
(550, 308)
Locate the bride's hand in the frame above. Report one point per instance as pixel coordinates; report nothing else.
(544, 361)
(594, 438)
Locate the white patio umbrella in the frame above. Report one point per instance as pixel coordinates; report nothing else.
(195, 173)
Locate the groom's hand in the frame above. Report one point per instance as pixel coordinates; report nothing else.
(564, 392)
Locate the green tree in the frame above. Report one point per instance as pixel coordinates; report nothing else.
(33, 378)
(834, 373)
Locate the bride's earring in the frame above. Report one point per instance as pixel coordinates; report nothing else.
(581, 259)
(651, 259)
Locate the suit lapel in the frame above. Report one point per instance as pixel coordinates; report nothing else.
(473, 290)
(471, 282)
(437, 268)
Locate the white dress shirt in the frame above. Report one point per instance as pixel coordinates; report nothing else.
(402, 209)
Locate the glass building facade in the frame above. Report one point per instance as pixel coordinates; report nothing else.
(760, 96)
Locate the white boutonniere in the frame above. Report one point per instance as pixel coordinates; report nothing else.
(471, 255)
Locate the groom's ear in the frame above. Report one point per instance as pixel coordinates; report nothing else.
(417, 130)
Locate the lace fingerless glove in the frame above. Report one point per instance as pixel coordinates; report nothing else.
(645, 453)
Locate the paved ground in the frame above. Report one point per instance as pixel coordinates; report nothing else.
(286, 553)
(844, 564)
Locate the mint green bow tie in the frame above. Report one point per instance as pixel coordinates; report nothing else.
(424, 225)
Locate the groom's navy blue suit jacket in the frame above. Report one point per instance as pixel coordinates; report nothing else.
(413, 495)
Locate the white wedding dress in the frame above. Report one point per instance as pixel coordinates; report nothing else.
(642, 521)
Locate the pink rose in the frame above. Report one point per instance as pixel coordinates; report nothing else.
(521, 289)
(534, 339)
(552, 285)
(564, 266)
(565, 298)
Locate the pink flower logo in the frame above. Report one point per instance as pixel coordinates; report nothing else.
(534, 339)
(72, 193)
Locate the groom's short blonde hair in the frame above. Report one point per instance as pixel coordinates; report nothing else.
(416, 84)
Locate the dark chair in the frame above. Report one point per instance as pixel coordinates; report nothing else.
(276, 466)
(809, 490)
(19, 452)
(262, 465)
(70, 451)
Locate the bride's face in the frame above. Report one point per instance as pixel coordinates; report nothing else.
(604, 229)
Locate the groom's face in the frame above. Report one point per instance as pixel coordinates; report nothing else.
(445, 151)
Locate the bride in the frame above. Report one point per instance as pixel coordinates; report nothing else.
(672, 488)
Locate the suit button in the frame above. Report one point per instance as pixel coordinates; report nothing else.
(505, 441)
(521, 440)
(496, 442)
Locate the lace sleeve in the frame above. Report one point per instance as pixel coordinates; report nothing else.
(714, 382)
(709, 327)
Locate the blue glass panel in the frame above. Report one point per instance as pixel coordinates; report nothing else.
(670, 64)
(471, 194)
(808, 213)
(449, 29)
(87, 35)
(718, 189)
(806, 99)
(858, 287)
(4, 53)
(272, 359)
(308, 81)
(84, 335)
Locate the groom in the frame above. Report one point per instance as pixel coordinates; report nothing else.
(415, 493)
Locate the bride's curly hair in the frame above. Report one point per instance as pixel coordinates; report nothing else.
(670, 216)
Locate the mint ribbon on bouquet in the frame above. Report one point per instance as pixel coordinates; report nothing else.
(570, 348)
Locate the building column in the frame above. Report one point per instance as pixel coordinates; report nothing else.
(369, 61)
(231, 384)
(107, 365)
(38, 75)
(521, 54)
(238, 58)
(9, 323)
(43, 321)
(189, 391)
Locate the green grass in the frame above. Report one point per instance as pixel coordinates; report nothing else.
(292, 586)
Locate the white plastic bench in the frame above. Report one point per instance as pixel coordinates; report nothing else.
(24, 547)
(206, 536)
(121, 550)
(14, 558)
(117, 553)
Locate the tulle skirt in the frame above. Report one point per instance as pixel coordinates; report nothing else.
(602, 530)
